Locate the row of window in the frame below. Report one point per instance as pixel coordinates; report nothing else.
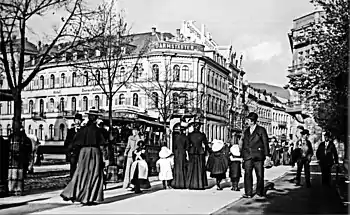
(216, 105)
(214, 80)
(40, 133)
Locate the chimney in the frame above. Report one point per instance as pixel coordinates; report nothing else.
(178, 33)
(154, 30)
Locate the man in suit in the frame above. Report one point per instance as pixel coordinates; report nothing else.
(255, 149)
(327, 155)
(304, 159)
(72, 149)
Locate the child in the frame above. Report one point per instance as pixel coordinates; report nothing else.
(165, 164)
(235, 166)
(218, 162)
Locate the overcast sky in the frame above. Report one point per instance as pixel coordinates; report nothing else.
(257, 28)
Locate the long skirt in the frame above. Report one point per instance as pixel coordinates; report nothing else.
(179, 181)
(86, 185)
(235, 169)
(138, 177)
(196, 174)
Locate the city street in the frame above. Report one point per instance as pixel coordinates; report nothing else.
(154, 201)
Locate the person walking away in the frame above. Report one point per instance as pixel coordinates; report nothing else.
(181, 145)
(255, 149)
(327, 155)
(128, 154)
(304, 159)
(235, 161)
(286, 156)
(73, 149)
(86, 185)
(273, 150)
(217, 163)
(196, 174)
(165, 166)
(139, 168)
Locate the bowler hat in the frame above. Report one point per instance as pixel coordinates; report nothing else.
(78, 116)
(327, 134)
(305, 131)
(253, 116)
(94, 111)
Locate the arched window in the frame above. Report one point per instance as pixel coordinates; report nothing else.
(31, 106)
(61, 133)
(97, 102)
(155, 99)
(176, 74)
(51, 132)
(183, 100)
(202, 75)
(74, 78)
(135, 99)
(52, 81)
(8, 129)
(74, 104)
(52, 105)
(135, 74)
(86, 78)
(63, 79)
(220, 107)
(216, 106)
(61, 104)
(155, 72)
(41, 130)
(122, 74)
(121, 99)
(185, 71)
(208, 78)
(85, 103)
(41, 108)
(175, 100)
(97, 77)
(42, 82)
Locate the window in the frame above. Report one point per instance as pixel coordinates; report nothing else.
(212, 105)
(8, 131)
(41, 108)
(208, 77)
(202, 75)
(183, 100)
(155, 99)
(74, 104)
(121, 99)
(135, 74)
(42, 82)
(122, 74)
(97, 77)
(63, 79)
(74, 77)
(61, 134)
(97, 102)
(9, 107)
(155, 72)
(31, 106)
(52, 105)
(86, 78)
(209, 103)
(212, 79)
(61, 104)
(51, 131)
(52, 81)
(185, 71)
(216, 81)
(175, 100)
(0, 108)
(135, 100)
(85, 103)
(41, 129)
(176, 74)
(0, 130)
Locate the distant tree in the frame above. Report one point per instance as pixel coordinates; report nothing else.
(325, 82)
(16, 53)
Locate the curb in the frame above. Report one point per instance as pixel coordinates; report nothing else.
(267, 185)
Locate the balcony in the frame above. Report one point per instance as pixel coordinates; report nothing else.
(38, 116)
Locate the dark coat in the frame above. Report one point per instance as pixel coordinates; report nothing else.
(89, 136)
(327, 156)
(197, 141)
(72, 150)
(298, 151)
(255, 146)
(181, 145)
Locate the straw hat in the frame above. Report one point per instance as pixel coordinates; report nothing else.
(217, 145)
(235, 150)
(165, 152)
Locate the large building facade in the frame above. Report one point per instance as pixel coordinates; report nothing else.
(199, 77)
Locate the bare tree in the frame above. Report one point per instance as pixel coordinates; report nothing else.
(15, 52)
(113, 43)
(168, 95)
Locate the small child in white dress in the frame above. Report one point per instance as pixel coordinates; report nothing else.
(165, 166)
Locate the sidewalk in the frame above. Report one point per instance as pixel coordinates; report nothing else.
(159, 201)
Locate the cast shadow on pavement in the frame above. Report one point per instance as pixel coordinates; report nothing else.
(17, 204)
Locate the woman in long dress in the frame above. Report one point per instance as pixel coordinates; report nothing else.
(86, 185)
(196, 174)
(139, 169)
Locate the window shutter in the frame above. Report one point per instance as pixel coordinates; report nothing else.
(68, 82)
(57, 81)
(66, 105)
(116, 101)
(128, 100)
(140, 102)
(80, 104)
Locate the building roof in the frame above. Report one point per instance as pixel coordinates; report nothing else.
(274, 90)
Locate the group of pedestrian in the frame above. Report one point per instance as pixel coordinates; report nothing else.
(280, 152)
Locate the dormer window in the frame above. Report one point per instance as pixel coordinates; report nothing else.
(97, 53)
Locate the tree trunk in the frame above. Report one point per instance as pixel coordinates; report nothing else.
(15, 173)
(112, 169)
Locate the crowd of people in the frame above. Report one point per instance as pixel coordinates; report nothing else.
(192, 156)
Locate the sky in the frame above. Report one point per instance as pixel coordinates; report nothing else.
(256, 28)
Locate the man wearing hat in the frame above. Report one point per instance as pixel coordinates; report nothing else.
(255, 149)
(72, 150)
(304, 159)
(327, 155)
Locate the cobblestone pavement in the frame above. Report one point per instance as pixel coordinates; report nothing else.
(287, 198)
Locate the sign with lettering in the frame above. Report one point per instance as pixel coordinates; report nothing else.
(57, 92)
(126, 108)
(91, 89)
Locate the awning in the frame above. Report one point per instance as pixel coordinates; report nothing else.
(6, 95)
(151, 122)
